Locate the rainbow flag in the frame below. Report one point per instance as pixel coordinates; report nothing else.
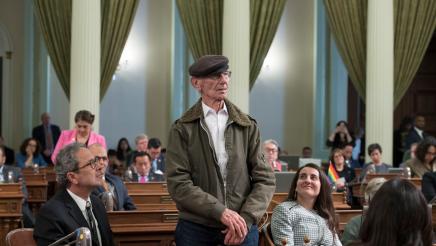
(333, 175)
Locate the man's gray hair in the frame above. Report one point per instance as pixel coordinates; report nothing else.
(66, 161)
(140, 137)
(271, 141)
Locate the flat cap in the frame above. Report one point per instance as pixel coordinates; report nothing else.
(209, 64)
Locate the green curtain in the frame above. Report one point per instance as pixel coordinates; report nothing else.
(203, 24)
(265, 16)
(117, 18)
(55, 21)
(415, 22)
(54, 17)
(348, 23)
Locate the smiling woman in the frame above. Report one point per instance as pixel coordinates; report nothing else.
(307, 217)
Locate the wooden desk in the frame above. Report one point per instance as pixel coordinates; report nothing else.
(11, 199)
(340, 200)
(37, 186)
(343, 216)
(143, 227)
(151, 198)
(151, 187)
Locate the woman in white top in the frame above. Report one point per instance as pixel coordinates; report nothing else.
(308, 216)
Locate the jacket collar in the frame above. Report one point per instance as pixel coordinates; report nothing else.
(235, 114)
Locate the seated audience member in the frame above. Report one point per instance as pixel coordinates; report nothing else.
(112, 187)
(308, 216)
(123, 150)
(141, 142)
(393, 223)
(410, 153)
(429, 185)
(28, 219)
(9, 153)
(348, 153)
(143, 172)
(340, 136)
(157, 158)
(352, 229)
(271, 151)
(47, 135)
(425, 160)
(345, 174)
(306, 152)
(82, 133)
(376, 165)
(115, 166)
(30, 154)
(78, 173)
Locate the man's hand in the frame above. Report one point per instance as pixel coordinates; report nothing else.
(236, 228)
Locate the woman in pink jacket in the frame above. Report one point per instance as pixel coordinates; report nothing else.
(82, 133)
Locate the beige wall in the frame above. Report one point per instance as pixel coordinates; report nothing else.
(12, 22)
(158, 68)
(282, 97)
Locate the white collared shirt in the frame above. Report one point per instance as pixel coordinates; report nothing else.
(419, 131)
(216, 123)
(2, 178)
(81, 203)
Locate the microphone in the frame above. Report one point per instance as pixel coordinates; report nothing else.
(82, 237)
(108, 200)
(371, 169)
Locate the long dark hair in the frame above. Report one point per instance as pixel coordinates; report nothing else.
(324, 203)
(24, 146)
(120, 154)
(397, 215)
(423, 146)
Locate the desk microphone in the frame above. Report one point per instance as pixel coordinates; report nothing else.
(82, 237)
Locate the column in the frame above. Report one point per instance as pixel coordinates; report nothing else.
(85, 59)
(380, 76)
(236, 46)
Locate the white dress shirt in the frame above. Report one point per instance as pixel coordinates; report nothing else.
(81, 203)
(216, 123)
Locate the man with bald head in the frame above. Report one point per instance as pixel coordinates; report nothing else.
(112, 187)
(47, 135)
(78, 173)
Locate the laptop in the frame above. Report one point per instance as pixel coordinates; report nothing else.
(304, 161)
(283, 181)
(292, 161)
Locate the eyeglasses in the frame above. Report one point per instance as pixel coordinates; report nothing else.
(268, 150)
(227, 74)
(93, 163)
(101, 158)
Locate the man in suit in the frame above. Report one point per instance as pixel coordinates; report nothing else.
(47, 134)
(9, 153)
(141, 142)
(144, 172)
(111, 183)
(5, 171)
(157, 158)
(417, 133)
(78, 173)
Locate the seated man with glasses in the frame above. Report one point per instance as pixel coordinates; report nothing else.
(78, 173)
(112, 186)
(271, 152)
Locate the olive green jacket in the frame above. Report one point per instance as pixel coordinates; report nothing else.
(194, 180)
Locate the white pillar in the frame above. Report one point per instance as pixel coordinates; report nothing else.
(236, 46)
(380, 76)
(85, 59)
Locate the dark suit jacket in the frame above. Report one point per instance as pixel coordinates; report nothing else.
(61, 216)
(38, 134)
(413, 137)
(429, 185)
(124, 202)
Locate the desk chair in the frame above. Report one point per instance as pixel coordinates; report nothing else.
(19, 237)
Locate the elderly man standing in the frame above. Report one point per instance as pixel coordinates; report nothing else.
(216, 172)
(78, 173)
(47, 135)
